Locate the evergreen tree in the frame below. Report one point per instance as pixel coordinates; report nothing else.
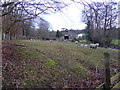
(58, 34)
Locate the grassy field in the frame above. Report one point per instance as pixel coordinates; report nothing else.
(56, 64)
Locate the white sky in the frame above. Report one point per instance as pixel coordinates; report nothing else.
(69, 18)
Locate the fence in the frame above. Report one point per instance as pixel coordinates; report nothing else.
(107, 80)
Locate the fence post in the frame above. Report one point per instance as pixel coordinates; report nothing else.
(107, 71)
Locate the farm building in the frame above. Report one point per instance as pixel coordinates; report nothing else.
(82, 36)
(66, 36)
(72, 34)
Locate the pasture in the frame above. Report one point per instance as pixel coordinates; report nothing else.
(115, 42)
(43, 64)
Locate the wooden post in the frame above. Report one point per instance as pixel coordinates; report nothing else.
(107, 71)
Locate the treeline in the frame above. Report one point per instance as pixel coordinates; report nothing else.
(101, 20)
(17, 17)
(27, 30)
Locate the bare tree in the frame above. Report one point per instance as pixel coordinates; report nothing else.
(43, 30)
(14, 12)
(100, 18)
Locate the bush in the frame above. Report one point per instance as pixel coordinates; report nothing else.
(115, 42)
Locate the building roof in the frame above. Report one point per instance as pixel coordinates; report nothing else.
(66, 35)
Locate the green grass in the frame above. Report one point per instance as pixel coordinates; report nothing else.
(109, 50)
(48, 62)
(82, 40)
(115, 42)
(116, 77)
(117, 86)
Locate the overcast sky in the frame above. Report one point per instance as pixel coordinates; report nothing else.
(69, 18)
